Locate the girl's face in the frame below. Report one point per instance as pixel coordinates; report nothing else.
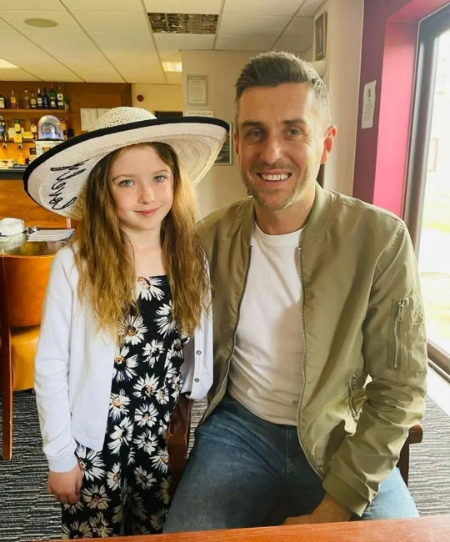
(142, 188)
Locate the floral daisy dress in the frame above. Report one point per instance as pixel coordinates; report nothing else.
(126, 486)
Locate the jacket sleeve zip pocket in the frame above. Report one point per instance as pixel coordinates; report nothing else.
(399, 316)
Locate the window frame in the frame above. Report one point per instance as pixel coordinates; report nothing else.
(430, 30)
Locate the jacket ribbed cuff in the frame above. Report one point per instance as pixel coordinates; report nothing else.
(344, 494)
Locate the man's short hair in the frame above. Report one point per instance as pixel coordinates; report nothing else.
(275, 68)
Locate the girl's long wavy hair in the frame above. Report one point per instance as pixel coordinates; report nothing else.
(106, 263)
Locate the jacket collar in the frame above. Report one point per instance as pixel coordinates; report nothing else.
(316, 223)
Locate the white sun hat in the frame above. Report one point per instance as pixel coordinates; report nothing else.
(56, 179)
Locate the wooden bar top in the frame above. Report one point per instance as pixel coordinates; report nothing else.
(430, 529)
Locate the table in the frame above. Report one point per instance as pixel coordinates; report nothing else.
(431, 529)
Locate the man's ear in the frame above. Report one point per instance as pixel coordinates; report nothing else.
(328, 143)
(236, 142)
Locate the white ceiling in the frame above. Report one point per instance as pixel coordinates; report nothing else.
(111, 41)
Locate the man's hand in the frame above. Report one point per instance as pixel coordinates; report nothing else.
(328, 511)
(66, 486)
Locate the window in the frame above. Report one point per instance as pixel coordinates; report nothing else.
(441, 76)
(433, 155)
(428, 184)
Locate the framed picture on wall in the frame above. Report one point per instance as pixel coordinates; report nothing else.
(196, 89)
(321, 36)
(225, 156)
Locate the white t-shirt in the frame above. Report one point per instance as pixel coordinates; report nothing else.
(266, 368)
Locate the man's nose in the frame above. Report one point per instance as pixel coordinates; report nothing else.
(272, 150)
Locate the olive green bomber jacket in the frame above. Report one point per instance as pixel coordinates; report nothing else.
(365, 358)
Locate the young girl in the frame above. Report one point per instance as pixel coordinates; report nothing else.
(124, 328)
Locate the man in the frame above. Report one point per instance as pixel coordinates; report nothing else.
(319, 347)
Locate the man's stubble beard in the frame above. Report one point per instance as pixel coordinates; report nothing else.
(293, 197)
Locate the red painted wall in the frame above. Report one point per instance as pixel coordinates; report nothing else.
(388, 56)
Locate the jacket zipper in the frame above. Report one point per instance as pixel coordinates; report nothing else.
(398, 318)
(351, 392)
(234, 334)
(302, 445)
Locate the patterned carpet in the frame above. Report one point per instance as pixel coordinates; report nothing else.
(27, 512)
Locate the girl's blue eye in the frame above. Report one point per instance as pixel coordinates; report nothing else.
(126, 182)
(160, 178)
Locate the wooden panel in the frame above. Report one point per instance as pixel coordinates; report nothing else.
(432, 529)
(103, 95)
(15, 203)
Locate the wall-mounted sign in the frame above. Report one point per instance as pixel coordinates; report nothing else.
(196, 89)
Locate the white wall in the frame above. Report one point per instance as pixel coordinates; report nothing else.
(222, 185)
(158, 97)
(345, 23)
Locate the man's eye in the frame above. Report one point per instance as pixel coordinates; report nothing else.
(254, 133)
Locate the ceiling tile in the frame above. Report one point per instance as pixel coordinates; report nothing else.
(104, 5)
(28, 56)
(169, 45)
(261, 7)
(245, 43)
(251, 25)
(114, 22)
(31, 5)
(65, 21)
(310, 8)
(294, 43)
(5, 27)
(133, 55)
(80, 54)
(16, 75)
(183, 6)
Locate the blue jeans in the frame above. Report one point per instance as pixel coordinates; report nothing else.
(246, 472)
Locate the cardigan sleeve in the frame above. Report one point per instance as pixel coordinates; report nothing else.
(51, 378)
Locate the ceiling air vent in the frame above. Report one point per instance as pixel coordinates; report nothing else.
(176, 23)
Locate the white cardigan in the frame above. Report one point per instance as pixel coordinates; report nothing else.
(74, 367)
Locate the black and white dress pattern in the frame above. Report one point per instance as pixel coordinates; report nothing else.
(126, 486)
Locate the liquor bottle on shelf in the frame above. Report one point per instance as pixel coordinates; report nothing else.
(2, 101)
(34, 128)
(52, 97)
(3, 133)
(60, 98)
(18, 133)
(33, 101)
(64, 128)
(39, 99)
(13, 101)
(66, 103)
(26, 100)
(45, 100)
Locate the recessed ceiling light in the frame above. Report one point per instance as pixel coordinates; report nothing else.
(172, 66)
(4, 64)
(41, 23)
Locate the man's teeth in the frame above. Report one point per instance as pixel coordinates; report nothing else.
(282, 177)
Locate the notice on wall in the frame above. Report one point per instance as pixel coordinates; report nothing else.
(369, 101)
(193, 113)
(88, 117)
(196, 90)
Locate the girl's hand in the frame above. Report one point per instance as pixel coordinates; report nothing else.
(66, 486)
